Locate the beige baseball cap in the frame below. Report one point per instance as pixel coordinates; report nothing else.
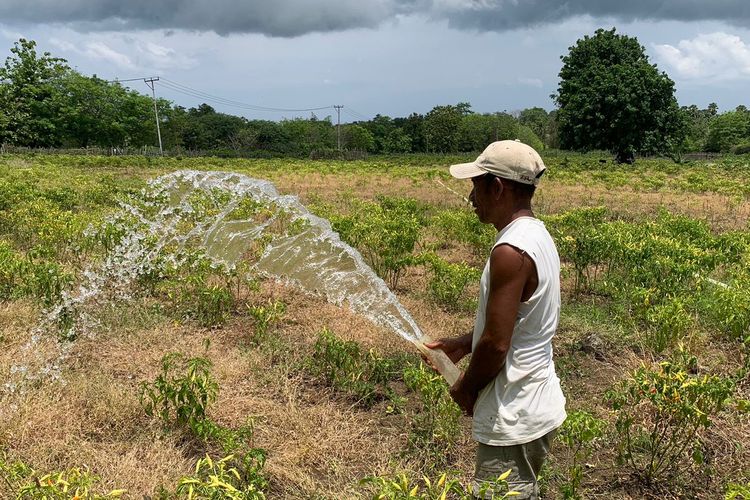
(512, 160)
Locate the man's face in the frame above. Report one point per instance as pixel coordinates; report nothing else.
(481, 196)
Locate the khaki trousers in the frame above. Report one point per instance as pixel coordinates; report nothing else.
(524, 461)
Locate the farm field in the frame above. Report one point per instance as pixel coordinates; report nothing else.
(196, 371)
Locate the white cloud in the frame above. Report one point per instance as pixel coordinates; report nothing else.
(157, 56)
(100, 50)
(531, 82)
(711, 57)
(11, 35)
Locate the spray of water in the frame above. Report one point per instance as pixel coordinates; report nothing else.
(224, 214)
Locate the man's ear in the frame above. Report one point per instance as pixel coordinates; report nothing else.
(498, 187)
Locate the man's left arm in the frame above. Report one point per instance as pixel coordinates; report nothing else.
(510, 271)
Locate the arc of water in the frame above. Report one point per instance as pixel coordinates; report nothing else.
(314, 258)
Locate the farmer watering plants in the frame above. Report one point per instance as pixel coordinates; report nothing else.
(510, 387)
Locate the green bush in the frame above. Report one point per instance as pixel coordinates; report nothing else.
(265, 316)
(737, 491)
(75, 483)
(579, 433)
(386, 234)
(659, 413)
(436, 425)
(181, 393)
(342, 365)
(180, 396)
(447, 283)
(23, 276)
(463, 226)
(402, 487)
(581, 240)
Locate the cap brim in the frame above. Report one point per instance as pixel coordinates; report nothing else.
(466, 170)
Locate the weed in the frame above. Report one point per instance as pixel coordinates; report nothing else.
(265, 316)
(231, 477)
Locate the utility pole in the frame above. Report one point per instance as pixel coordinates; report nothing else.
(150, 83)
(338, 124)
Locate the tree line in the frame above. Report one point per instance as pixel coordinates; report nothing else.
(44, 103)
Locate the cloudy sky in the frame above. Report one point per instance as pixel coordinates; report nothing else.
(391, 57)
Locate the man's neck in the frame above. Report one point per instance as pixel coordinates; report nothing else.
(522, 210)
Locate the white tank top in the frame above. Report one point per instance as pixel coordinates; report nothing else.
(524, 401)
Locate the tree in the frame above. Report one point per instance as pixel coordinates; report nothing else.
(358, 138)
(30, 97)
(728, 130)
(610, 97)
(537, 119)
(442, 123)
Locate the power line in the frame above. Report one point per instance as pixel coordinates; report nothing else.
(128, 80)
(178, 87)
(356, 115)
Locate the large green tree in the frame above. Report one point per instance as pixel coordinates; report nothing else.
(29, 97)
(612, 98)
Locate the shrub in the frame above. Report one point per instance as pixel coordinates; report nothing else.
(180, 397)
(265, 316)
(463, 225)
(385, 233)
(579, 432)
(343, 365)
(581, 241)
(181, 393)
(660, 412)
(737, 491)
(435, 427)
(74, 483)
(401, 487)
(448, 282)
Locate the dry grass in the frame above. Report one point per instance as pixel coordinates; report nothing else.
(318, 443)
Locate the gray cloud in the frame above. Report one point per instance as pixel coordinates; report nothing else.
(288, 18)
(500, 15)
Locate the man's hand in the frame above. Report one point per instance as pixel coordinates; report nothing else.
(455, 348)
(465, 400)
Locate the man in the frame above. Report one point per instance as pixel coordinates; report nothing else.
(510, 386)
